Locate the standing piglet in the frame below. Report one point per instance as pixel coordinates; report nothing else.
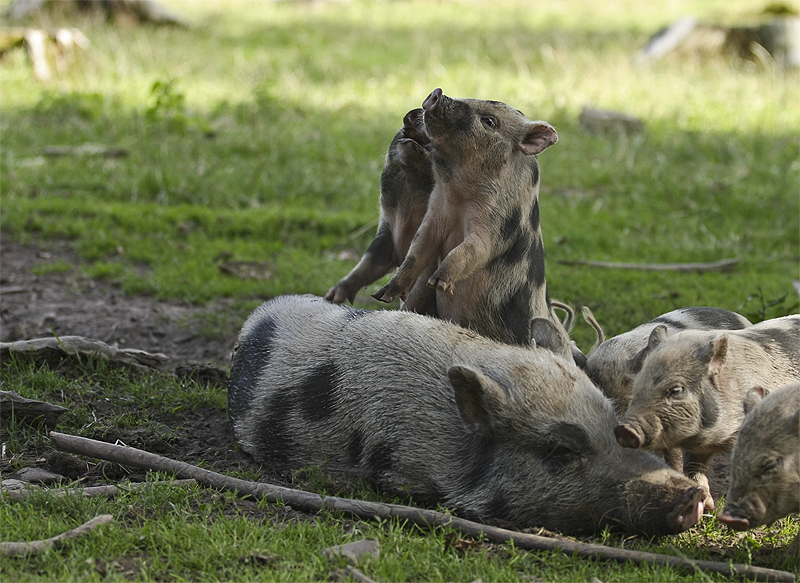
(423, 407)
(765, 464)
(406, 184)
(690, 390)
(480, 240)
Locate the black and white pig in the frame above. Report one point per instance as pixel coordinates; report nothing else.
(690, 390)
(421, 406)
(765, 463)
(406, 184)
(480, 242)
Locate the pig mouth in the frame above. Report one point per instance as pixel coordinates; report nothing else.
(688, 512)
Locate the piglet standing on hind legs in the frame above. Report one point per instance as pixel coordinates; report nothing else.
(406, 183)
(481, 239)
(690, 390)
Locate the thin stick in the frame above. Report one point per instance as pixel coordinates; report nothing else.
(723, 265)
(37, 547)
(92, 491)
(310, 502)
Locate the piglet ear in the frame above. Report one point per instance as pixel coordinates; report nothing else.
(478, 397)
(538, 136)
(719, 351)
(657, 336)
(752, 397)
(546, 334)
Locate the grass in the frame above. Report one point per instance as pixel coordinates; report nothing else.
(258, 134)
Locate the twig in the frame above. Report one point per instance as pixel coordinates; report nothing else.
(311, 502)
(92, 491)
(37, 547)
(723, 265)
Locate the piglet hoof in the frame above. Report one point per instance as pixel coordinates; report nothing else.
(338, 294)
(730, 518)
(627, 437)
(386, 293)
(688, 511)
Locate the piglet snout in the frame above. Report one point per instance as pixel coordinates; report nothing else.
(732, 520)
(432, 100)
(688, 511)
(627, 436)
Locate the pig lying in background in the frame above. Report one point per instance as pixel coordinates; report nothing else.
(480, 240)
(420, 406)
(690, 390)
(406, 184)
(612, 364)
(765, 464)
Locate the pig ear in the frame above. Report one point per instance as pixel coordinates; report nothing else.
(752, 397)
(478, 397)
(538, 136)
(545, 334)
(719, 350)
(657, 336)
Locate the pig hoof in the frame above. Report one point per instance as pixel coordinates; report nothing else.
(627, 437)
(384, 295)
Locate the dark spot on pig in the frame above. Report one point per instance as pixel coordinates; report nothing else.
(379, 461)
(316, 394)
(667, 321)
(534, 172)
(252, 355)
(534, 218)
(274, 430)
(714, 318)
(442, 166)
(512, 222)
(516, 314)
(497, 506)
(355, 447)
(784, 341)
(381, 250)
(709, 410)
(479, 450)
(536, 265)
(517, 252)
(391, 187)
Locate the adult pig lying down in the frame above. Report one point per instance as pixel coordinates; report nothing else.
(424, 407)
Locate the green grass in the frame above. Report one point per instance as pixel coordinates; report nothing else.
(258, 134)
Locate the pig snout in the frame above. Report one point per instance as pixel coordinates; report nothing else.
(688, 511)
(732, 519)
(629, 436)
(432, 100)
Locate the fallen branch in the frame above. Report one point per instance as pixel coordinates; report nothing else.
(311, 502)
(92, 491)
(37, 547)
(723, 265)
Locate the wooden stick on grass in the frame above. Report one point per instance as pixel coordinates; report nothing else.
(723, 265)
(310, 502)
(14, 549)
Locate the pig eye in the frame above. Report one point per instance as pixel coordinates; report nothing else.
(675, 391)
(489, 122)
(771, 467)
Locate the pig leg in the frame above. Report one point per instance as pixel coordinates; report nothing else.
(422, 299)
(422, 254)
(378, 260)
(674, 457)
(695, 467)
(472, 254)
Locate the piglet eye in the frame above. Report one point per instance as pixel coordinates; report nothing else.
(771, 467)
(675, 391)
(489, 122)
